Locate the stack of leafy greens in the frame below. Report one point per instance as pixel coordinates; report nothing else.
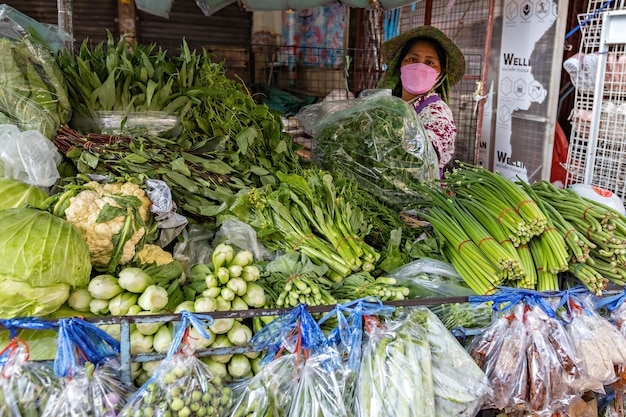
(223, 142)
(33, 95)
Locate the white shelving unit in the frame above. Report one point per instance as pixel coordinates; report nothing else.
(597, 150)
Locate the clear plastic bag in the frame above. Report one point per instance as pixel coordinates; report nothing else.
(33, 95)
(377, 139)
(243, 236)
(28, 156)
(396, 377)
(183, 384)
(318, 392)
(25, 387)
(269, 392)
(504, 362)
(90, 372)
(152, 123)
(91, 392)
(460, 386)
(427, 277)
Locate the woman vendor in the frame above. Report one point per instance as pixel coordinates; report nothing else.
(422, 65)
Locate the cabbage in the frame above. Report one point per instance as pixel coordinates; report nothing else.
(41, 258)
(15, 193)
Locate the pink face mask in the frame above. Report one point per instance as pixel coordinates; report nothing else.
(418, 78)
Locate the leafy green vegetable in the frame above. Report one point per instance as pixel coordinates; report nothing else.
(378, 141)
(33, 95)
(43, 257)
(15, 193)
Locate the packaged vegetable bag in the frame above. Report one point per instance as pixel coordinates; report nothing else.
(315, 375)
(90, 372)
(182, 385)
(377, 140)
(25, 386)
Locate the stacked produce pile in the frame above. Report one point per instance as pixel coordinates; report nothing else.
(539, 357)
(499, 232)
(214, 140)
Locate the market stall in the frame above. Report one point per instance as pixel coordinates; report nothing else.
(166, 252)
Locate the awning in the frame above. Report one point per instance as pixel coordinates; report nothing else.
(209, 7)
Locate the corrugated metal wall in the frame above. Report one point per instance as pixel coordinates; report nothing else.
(90, 18)
(229, 26)
(226, 34)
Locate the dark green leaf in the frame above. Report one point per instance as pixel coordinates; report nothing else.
(110, 212)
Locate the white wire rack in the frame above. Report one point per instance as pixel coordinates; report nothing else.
(597, 151)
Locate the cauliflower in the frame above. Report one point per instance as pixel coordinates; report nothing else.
(112, 224)
(153, 253)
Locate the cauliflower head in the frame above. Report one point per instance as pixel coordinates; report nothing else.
(112, 222)
(152, 253)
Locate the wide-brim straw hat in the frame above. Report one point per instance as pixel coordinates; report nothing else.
(390, 52)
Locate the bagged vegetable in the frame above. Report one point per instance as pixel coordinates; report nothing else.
(317, 388)
(501, 353)
(460, 386)
(377, 140)
(90, 371)
(33, 95)
(600, 345)
(269, 392)
(396, 376)
(26, 387)
(182, 385)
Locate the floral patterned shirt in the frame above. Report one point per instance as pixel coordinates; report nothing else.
(436, 117)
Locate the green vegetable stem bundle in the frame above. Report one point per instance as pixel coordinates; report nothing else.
(310, 214)
(376, 140)
(293, 279)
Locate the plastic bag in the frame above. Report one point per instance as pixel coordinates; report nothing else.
(163, 207)
(269, 392)
(599, 345)
(460, 386)
(25, 387)
(182, 383)
(28, 156)
(504, 358)
(377, 139)
(194, 247)
(87, 361)
(243, 236)
(33, 95)
(396, 377)
(317, 390)
(152, 123)
(428, 277)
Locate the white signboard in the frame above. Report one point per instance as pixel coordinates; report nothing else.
(524, 23)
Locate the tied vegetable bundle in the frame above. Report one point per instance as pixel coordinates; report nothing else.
(33, 95)
(376, 140)
(499, 232)
(312, 215)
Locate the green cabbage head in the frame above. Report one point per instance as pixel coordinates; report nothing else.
(15, 193)
(41, 258)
